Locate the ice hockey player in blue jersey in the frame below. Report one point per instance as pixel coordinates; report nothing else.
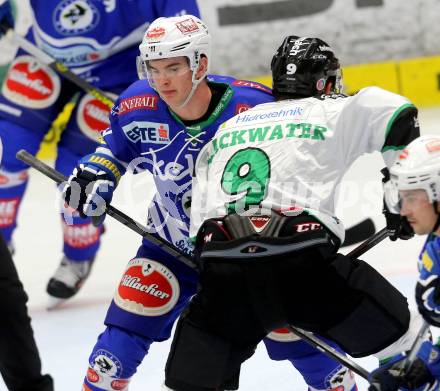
(98, 40)
(414, 190)
(161, 128)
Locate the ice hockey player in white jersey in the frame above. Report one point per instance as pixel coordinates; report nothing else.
(266, 232)
(321, 136)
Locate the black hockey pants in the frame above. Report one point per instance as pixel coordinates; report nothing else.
(246, 293)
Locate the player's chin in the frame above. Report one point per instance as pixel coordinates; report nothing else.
(419, 229)
(168, 96)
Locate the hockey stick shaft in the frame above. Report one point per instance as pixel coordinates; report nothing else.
(111, 210)
(59, 67)
(369, 243)
(323, 346)
(412, 355)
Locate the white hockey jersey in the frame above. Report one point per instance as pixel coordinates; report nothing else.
(290, 155)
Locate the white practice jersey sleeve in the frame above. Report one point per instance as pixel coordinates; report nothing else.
(289, 156)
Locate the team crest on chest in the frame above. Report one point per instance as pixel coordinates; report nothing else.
(75, 17)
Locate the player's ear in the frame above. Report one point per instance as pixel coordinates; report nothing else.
(203, 67)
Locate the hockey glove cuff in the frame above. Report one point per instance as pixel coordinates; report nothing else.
(90, 187)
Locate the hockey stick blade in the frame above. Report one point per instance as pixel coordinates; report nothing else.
(359, 232)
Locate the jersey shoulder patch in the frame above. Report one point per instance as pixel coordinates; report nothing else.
(252, 85)
(237, 84)
(138, 96)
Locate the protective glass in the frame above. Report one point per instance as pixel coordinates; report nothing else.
(141, 68)
(412, 198)
(155, 74)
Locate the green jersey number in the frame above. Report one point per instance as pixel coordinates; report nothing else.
(247, 173)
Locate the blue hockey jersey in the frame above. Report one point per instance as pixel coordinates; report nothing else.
(83, 34)
(429, 259)
(144, 130)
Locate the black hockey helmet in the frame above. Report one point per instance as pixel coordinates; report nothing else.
(304, 67)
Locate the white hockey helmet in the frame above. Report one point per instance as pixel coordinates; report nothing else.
(418, 167)
(178, 36)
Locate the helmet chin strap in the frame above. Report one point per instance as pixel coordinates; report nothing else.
(195, 83)
(190, 95)
(437, 223)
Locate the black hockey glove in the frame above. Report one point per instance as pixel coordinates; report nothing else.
(385, 379)
(90, 187)
(397, 225)
(392, 377)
